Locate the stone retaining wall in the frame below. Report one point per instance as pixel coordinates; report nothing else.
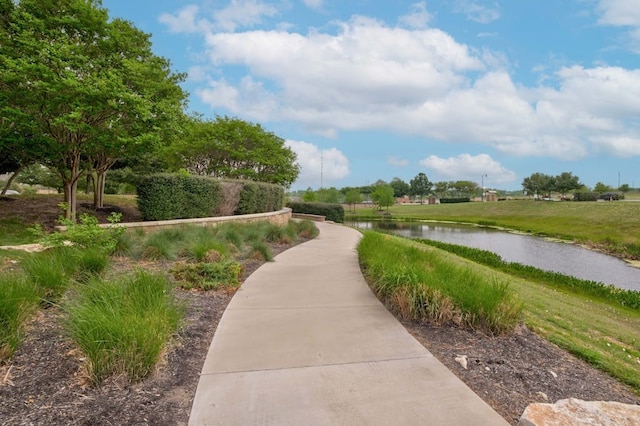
(280, 217)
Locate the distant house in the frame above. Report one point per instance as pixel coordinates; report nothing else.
(491, 196)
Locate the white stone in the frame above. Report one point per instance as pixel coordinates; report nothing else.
(575, 412)
(462, 360)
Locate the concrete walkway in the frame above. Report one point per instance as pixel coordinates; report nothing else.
(305, 342)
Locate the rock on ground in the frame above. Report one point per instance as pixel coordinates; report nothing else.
(575, 412)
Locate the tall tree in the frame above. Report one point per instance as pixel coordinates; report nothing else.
(328, 195)
(538, 184)
(441, 188)
(420, 185)
(88, 85)
(566, 182)
(465, 187)
(400, 187)
(352, 197)
(233, 148)
(383, 196)
(602, 187)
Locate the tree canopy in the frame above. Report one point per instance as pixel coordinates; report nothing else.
(400, 187)
(79, 88)
(543, 184)
(383, 196)
(233, 148)
(420, 185)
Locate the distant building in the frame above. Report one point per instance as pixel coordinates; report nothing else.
(491, 196)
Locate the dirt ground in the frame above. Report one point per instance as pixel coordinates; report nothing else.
(44, 383)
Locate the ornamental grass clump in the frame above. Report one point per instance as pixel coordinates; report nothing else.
(18, 300)
(423, 284)
(123, 326)
(303, 228)
(50, 272)
(207, 276)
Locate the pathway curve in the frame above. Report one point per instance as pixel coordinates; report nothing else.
(305, 342)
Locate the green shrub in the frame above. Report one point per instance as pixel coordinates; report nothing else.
(165, 196)
(585, 196)
(423, 284)
(123, 326)
(248, 199)
(85, 234)
(207, 276)
(333, 212)
(18, 300)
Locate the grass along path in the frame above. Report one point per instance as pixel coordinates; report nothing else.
(615, 224)
(605, 335)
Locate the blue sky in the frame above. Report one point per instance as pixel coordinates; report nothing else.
(364, 90)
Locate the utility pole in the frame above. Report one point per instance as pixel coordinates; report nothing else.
(482, 185)
(321, 169)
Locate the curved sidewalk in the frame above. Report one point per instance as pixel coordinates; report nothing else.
(305, 342)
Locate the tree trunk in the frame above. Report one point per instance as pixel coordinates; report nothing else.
(10, 181)
(98, 197)
(90, 183)
(70, 179)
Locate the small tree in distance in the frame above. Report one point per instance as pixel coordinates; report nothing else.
(383, 196)
(420, 185)
(309, 196)
(352, 197)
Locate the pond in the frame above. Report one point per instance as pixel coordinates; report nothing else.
(548, 255)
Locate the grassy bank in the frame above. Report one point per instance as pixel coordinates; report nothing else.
(420, 283)
(613, 225)
(602, 332)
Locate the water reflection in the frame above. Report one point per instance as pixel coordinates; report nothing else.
(551, 256)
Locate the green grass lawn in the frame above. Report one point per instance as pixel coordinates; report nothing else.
(615, 223)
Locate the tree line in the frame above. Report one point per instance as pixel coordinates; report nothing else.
(542, 185)
(82, 94)
(384, 194)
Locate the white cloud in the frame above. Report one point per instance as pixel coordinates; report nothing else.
(397, 162)
(197, 74)
(469, 167)
(475, 11)
(419, 17)
(351, 79)
(318, 165)
(314, 4)
(369, 76)
(243, 13)
(622, 13)
(185, 21)
(619, 12)
(239, 13)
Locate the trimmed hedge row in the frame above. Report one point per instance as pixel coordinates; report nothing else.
(585, 196)
(333, 212)
(454, 200)
(259, 197)
(174, 196)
